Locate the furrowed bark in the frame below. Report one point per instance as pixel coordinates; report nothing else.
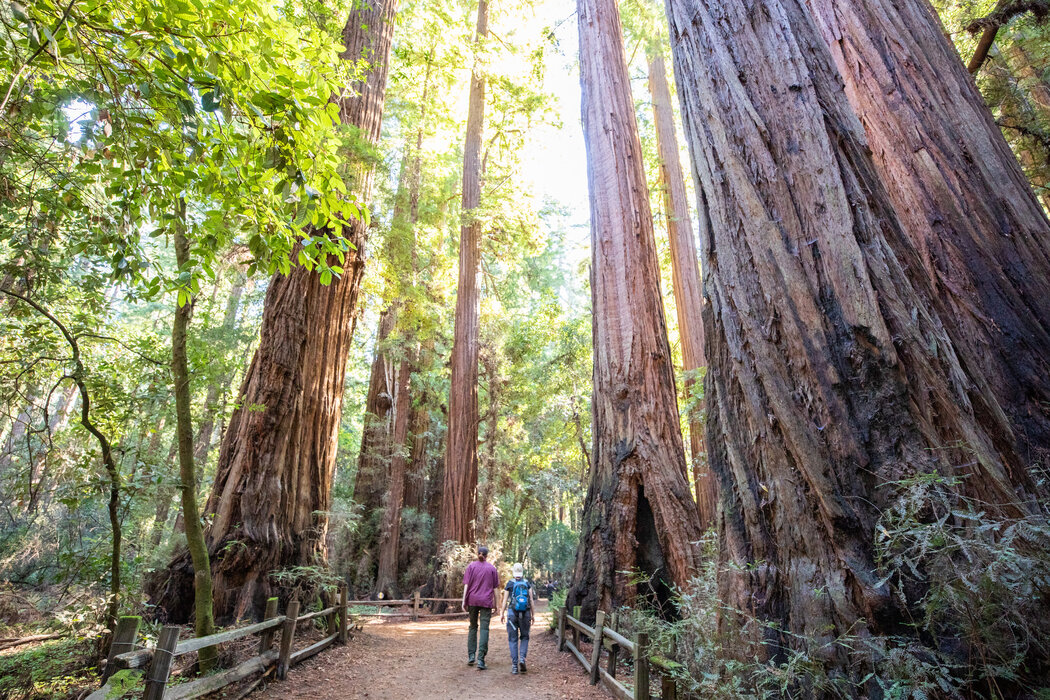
(830, 373)
(638, 514)
(964, 203)
(459, 501)
(685, 275)
(273, 484)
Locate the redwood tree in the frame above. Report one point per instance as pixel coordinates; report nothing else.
(685, 272)
(276, 463)
(459, 498)
(831, 376)
(961, 195)
(638, 514)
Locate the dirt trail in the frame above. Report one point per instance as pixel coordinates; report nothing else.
(428, 660)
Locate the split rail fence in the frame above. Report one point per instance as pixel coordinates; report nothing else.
(156, 661)
(604, 636)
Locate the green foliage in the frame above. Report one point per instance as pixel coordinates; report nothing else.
(52, 669)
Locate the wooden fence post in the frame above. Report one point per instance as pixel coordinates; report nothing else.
(344, 616)
(575, 630)
(266, 638)
(641, 666)
(291, 614)
(614, 649)
(160, 668)
(668, 687)
(123, 641)
(415, 606)
(596, 646)
(561, 629)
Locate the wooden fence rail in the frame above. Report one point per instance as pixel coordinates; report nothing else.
(158, 660)
(604, 636)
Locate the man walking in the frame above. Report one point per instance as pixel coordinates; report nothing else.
(519, 609)
(480, 582)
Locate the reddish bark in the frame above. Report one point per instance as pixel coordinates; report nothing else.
(830, 373)
(638, 514)
(459, 501)
(685, 275)
(962, 198)
(273, 484)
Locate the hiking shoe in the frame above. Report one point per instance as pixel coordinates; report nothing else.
(521, 665)
(514, 670)
(470, 660)
(481, 665)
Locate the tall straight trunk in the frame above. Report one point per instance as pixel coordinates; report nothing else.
(373, 460)
(415, 476)
(204, 622)
(273, 484)
(830, 374)
(685, 275)
(218, 385)
(390, 532)
(459, 501)
(639, 513)
(487, 492)
(962, 198)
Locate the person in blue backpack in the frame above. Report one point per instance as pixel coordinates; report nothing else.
(518, 609)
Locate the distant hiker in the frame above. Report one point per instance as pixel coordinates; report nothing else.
(480, 582)
(519, 609)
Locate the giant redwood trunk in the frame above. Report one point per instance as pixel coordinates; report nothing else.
(390, 530)
(459, 500)
(276, 463)
(830, 373)
(685, 274)
(638, 514)
(961, 196)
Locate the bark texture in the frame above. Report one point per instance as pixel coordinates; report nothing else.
(685, 274)
(962, 198)
(390, 531)
(459, 501)
(830, 374)
(638, 514)
(273, 484)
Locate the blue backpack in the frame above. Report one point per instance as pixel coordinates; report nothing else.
(520, 594)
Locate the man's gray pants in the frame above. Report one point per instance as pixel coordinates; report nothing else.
(518, 624)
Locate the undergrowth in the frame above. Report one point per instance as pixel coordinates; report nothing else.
(980, 615)
(52, 669)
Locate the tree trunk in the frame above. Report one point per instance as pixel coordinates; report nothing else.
(459, 506)
(962, 198)
(273, 483)
(685, 276)
(371, 480)
(639, 513)
(830, 375)
(220, 383)
(204, 623)
(390, 532)
(491, 486)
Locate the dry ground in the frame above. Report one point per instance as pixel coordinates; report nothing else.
(424, 659)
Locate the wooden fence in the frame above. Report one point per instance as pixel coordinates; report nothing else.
(604, 636)
(157, 661)
(416, 601)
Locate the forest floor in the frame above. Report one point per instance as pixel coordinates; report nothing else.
(429, 660)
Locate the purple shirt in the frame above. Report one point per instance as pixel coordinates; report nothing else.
(479, 581)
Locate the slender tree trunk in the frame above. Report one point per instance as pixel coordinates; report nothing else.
(273, 484)
(830, 375)
(459, 507)
(164, 497)
(216, 388)
(491, 485)
(685, 276)
(390, 532)
(204, 623)
(962, 198)
(639, 513)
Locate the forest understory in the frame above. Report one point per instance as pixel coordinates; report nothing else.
(729, 317)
